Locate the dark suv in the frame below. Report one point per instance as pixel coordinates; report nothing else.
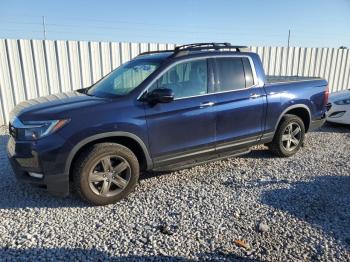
(162, 110)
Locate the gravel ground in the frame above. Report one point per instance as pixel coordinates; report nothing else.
(283, 209)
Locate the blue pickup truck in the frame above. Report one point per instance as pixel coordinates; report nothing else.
(162, 110)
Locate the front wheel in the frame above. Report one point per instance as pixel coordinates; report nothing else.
(105, 173)
(289, 136)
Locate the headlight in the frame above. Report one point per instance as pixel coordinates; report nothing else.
(33, 130)
(343, 102)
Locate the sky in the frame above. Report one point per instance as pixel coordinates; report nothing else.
(312, 23)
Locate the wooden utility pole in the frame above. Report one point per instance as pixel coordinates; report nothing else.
(44, 28)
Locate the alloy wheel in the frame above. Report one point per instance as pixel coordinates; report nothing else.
(291, 136)
(109, 176)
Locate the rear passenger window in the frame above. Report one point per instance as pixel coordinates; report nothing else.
(231, 73)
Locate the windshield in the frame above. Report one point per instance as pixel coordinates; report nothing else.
(124, 79)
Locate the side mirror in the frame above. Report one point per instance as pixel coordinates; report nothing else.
(160, 95)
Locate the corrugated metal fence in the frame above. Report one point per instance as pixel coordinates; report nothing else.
(33, 68)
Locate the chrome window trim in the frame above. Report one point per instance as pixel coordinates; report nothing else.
(255, 77)
(214, 93)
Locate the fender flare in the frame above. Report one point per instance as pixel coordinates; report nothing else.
(92, 138)
(293, 107)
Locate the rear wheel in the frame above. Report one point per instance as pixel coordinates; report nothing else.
(289, 136)
(106, 173)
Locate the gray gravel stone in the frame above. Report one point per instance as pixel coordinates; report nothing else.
(303, 200)
(263, 227)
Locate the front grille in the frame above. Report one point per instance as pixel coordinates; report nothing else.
(12, 131)
(329, 106)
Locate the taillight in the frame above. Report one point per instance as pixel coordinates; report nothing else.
(326, 95)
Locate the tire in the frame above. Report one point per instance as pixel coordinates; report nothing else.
(105, 173)
(279, 144)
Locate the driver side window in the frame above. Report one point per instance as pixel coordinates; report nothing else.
(185, 79)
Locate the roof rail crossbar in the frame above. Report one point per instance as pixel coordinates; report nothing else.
(198, 47)
(204, 45)
(156, 52)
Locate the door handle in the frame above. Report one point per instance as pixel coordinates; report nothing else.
(206, 104)
(254, 96)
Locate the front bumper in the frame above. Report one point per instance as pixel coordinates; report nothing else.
(44, 157)
(339, 114)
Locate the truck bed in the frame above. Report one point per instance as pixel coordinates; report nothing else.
(270, 79)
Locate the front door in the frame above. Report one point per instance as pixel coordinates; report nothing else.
(184, 127)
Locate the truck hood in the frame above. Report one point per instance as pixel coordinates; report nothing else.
(55, 106)
(345, 94)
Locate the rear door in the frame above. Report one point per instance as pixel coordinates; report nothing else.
(240, 105)
(185, 127)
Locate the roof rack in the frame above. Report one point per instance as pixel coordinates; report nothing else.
(206, 46)
(184, 49)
